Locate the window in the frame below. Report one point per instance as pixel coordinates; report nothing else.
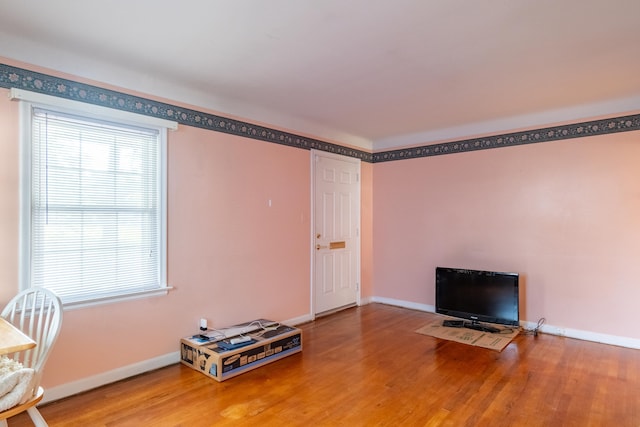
(93, 209)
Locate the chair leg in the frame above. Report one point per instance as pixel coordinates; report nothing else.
(37, 419)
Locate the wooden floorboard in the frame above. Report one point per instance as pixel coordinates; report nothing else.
(366, 366)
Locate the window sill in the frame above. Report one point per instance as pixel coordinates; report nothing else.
(72, 305)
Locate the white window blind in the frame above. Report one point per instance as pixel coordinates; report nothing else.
(97, 213)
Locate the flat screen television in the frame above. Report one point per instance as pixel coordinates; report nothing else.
(478, 296)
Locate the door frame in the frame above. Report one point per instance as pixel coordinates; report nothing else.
(356, 161)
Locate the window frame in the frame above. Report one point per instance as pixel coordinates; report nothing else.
(29, 101)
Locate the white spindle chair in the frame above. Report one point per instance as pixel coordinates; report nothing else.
(37, 312)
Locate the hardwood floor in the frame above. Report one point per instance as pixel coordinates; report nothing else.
(367, 367)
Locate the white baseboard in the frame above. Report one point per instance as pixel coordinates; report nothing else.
(299, 320)
(586, 335)
(85, 384)
(547, 329)
(404, 304)
(365, 301)
(75, 387)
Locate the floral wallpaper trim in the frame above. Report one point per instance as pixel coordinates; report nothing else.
(11, 77)
(554, 133)
(42, 83)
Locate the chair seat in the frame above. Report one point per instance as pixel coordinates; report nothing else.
(37, 313)
(23, 407)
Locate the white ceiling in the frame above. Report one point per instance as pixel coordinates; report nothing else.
(372, 73)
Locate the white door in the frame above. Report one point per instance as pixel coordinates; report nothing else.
(336, 239)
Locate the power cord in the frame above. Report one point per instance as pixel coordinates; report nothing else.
(536, 329)
(216, 335)
(264, 328)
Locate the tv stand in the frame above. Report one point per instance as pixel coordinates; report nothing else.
(481, 327)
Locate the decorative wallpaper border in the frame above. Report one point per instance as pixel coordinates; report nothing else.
(42, 83)
(64, 88)
(548, 134)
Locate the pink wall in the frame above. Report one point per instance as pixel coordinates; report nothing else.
(565, 215)
(366, 234)
(9, 198)
(231, 257)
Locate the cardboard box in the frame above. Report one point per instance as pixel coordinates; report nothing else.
(269, 342)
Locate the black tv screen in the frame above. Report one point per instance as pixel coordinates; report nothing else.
(480, 296)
